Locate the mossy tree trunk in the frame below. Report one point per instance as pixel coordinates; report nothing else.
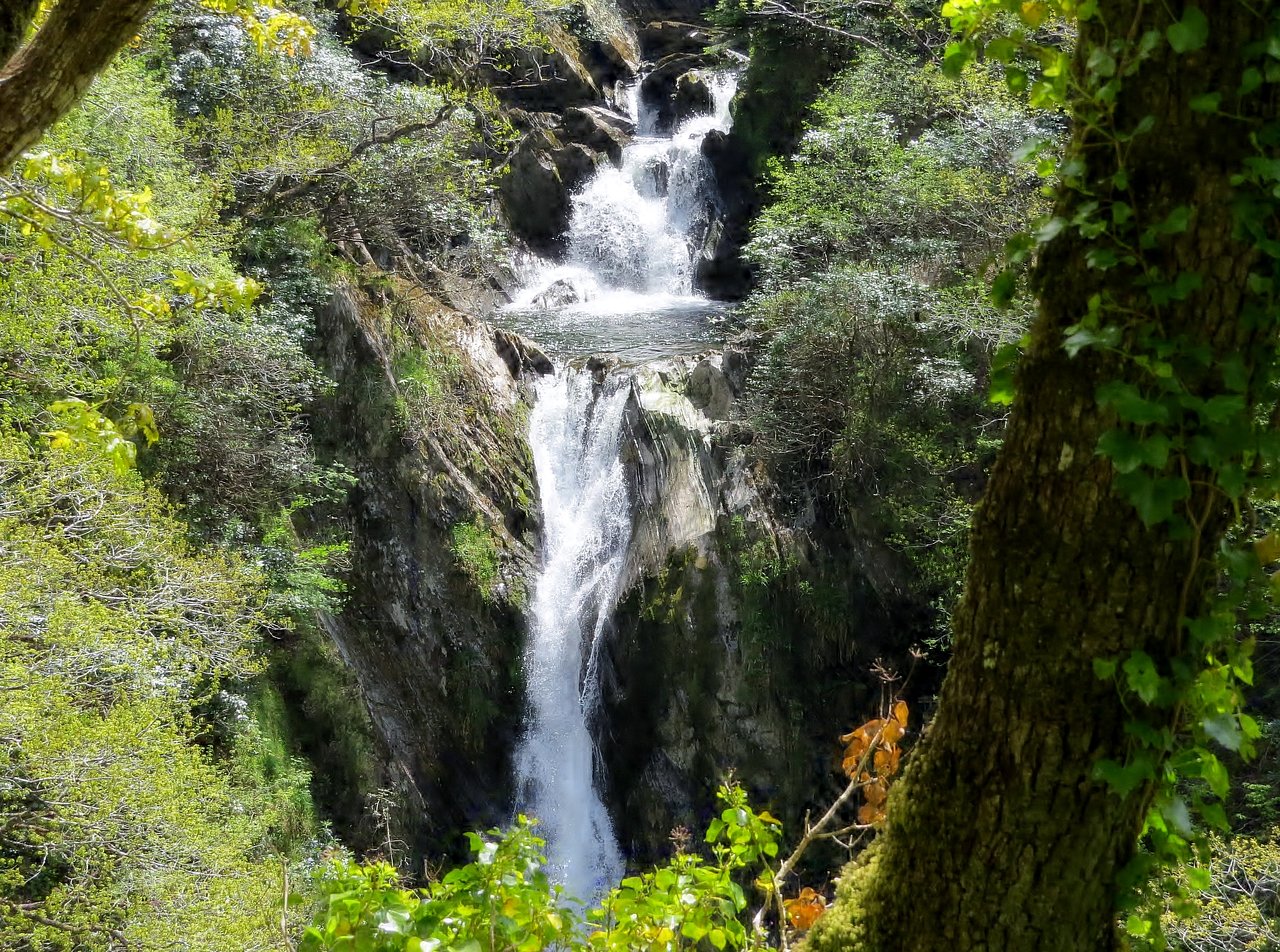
(998, 836)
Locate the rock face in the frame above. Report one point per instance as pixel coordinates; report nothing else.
(692, 96)
(599, 128)
(664, 37)
(658, 88)
(646, 11)
(429, 415)
(740, 644)
(542, 174)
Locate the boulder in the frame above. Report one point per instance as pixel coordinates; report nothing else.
(575, 163)
(598, 128)
(557, 294)
(534, 194)
(658, 88)
(692, 96)
(662, 38)
(562, 76)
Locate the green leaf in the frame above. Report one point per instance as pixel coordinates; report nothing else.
(1123, 779)
(959, 54)
(1104, 668)
(1050, 230)
(1004, 287)
(1130, 405)
(1141, 676)
(1137, 926)
(1199, 878)
(1223, 729)
(1208, 102)
(1128, 452)
(1153, 497)
(1191, 32)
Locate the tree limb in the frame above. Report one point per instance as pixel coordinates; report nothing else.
(51, 73)
(278, 193)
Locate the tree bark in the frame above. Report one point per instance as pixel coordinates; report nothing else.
(998, 836)
(51, 73)
(16, 17)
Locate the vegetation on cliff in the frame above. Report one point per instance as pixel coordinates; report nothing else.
(188, 757)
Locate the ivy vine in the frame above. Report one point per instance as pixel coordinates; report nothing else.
(1178, 409)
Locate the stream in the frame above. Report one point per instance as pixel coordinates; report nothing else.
(625, 288)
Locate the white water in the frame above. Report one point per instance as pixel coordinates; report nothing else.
(635, 230)
(626, 286)
(575, 432)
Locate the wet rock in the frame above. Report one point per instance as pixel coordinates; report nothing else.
(599, 128)
(558, 294)
(575, 163)
(658, 88)
(521, 356)
(692, 96)
(534, 194)
(708, 389)
(662, 38)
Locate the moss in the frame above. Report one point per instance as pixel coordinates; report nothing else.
(311, 705)
(477, 551)
(843, 927)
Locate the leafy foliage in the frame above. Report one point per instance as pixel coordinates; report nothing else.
(504, 901)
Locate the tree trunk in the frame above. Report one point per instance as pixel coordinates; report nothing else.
(50, 74)
(998, 836)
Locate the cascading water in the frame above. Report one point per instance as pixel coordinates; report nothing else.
(635, 232)
(575, 432)
(626, 287)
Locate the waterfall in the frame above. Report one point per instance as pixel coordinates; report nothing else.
(575, 432)
(626, 286)
(636, 229)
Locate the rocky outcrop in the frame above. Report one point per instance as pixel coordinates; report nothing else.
(658, 88)
(541, 176)
(692, 96)
(663, 38)
(428, 414)
(598, 128)
(743, 642)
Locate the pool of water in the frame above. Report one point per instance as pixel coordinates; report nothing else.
(636, 327)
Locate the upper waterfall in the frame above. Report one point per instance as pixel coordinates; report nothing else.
(636, 230)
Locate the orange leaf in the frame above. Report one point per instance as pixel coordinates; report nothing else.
(867, 813)
(875, 792)
(900, 711)
(886, 761)
(805, 909)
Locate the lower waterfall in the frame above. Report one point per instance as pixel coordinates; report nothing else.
(576, 433)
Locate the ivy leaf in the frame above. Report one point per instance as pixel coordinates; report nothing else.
(1190, 33)
(1199, 878)
(1130, 405)
(1141, 676)
(1215, 816)
(1153, 497)
(1208, 102)
(1127, 452)
(1123, 779)
(957, 57)
(1223, 729)
(1004, 287)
